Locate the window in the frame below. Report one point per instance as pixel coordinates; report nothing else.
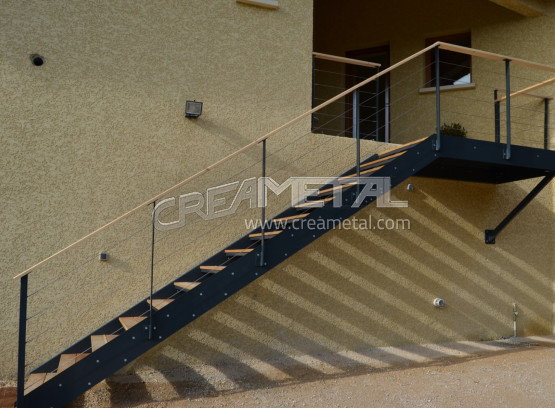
(454, 68)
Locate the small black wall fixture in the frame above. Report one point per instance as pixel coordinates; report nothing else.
(37, 60)
(491, 234)
(193, 109)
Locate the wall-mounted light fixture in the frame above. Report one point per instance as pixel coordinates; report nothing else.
(193, 109)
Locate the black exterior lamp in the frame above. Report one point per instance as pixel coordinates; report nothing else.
(193, 109)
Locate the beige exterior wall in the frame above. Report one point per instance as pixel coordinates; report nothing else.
(354, 290)
(100, 128)
(493, 28)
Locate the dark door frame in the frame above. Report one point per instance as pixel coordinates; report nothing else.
(366, 54)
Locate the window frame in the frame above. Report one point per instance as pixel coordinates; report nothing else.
(450, 38)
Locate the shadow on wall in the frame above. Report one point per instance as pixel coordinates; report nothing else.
(357, 290)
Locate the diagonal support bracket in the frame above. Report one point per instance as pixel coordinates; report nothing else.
(491, 234)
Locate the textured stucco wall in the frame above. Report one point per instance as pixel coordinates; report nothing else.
(492, 28)
(353, 290)
(100, 128)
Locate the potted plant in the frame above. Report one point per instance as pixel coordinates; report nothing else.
(454, 129)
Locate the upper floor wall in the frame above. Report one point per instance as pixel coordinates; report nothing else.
(404, 27)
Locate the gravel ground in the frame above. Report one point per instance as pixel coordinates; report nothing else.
(510, 373)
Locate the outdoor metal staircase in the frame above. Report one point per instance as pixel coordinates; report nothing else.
(100, 354)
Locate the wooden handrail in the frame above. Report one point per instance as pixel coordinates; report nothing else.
(526, 91)
(225, 159)
(533, 95)
(351, 61)
(493, 56)
(249, 146)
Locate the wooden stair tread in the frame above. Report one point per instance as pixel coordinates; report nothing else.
(212, 268)
(99, 340)
(384, 157)
(130, 321)
(334, 189)
(391, 157)
(35, 380)
(238, 252)
(267, 234)
(401, 147)
(362, 173)
(67, 360)
(186, 285)
(160, 303)
(291, 218)
(309, 204)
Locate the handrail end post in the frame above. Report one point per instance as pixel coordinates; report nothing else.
(24, 284)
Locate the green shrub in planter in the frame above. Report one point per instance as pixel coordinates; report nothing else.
(454, 129)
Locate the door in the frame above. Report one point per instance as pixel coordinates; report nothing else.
(373, 115)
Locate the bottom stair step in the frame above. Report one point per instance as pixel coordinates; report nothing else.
(37, 379)
(67, 360)
(99, 340)
(186, 285)
(129, 322)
